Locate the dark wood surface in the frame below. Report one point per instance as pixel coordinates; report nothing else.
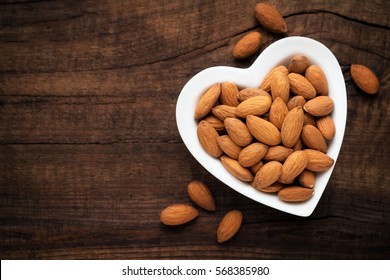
(90, 153)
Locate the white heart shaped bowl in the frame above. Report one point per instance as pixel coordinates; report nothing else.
(280, 52)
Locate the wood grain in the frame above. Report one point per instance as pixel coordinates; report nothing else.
(90, 153)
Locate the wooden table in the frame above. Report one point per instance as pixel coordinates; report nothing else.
(90, 153)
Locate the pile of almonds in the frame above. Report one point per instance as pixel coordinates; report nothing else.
(200, 194)
(275, 136)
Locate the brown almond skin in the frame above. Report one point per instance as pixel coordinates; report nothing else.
(264, 131)
(207, 101)
(298, 145)
(229, 225)
(238, 131)
(224, 111)
(201, 195)
(298, 64)
(228, 146)
(309, 120)
(318, 161)
(207, 136)
(273, 188)
(178, 214)
(247, 93)
(364, 78)
(228, 94)
(327, 127)
(292, 127)
(319, 106)
(278, 112)
(257, 105)
(256, 167)
(299, 85)
(252, 154)
(317, 78)
(267, 175)
(307, 179)
(247, 45)
(295, 194)
(280, 86)
(266, 84)
(313, 139)
(278, 153)
(296, 101)
(293, 166)
(215, 122)
(236, 169)
(270, 18)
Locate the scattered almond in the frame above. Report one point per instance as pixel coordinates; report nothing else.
(270, 18)
(247, 45)
(178, 214)
(200, 194)
(229, 225)
(365, 79)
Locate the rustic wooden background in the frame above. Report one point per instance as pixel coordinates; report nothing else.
(89, 149)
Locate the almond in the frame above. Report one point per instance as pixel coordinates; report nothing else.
(257, 106)
(327, 127)
(280, 86)
(293, 166)
(365, 79)
(267, 175)
(309, 120)
(256, 167)
(318, 161)
(228, 146)
(178, 214)
(215, 122)
(266, 84)
(298, 64)
(229, 225)
(238, 131)
(296, 101)
(236, 169)
(247, 45)
(317, 78)
(224, 111)
(295, 194)
(270, 18)
(307, 179)
(278, 153)
(319, 106)
(292, 127)
(247, 93)
(298, 145)
(278, 112)
(207, 101)
(207, 136)
(264, 131)
(228, 94)
(299, 85)
(273, 188)
(313, 139)
(201, 195)
(252, 154)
